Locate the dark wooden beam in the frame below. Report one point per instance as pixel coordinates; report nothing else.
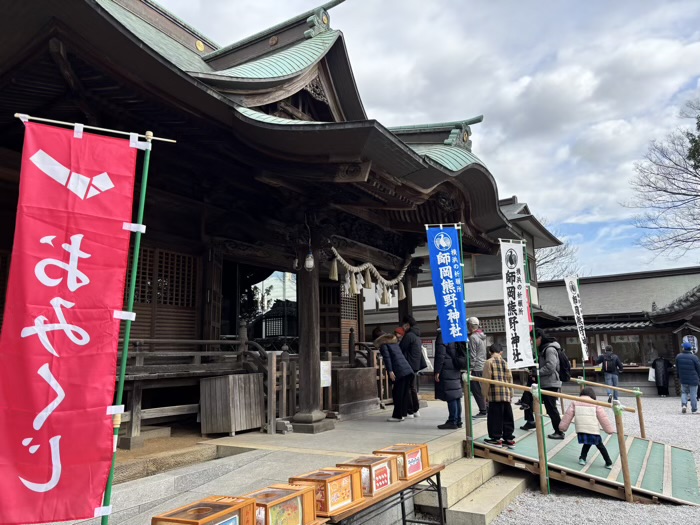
(60, 57)
(351, 249)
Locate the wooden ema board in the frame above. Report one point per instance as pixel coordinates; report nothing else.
(215, 510)
(412, 458)
(393, 490)
(378, 472)
(658, 472)
(285, 505)
(336, 488)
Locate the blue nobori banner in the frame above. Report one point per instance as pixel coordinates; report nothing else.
(448, 281)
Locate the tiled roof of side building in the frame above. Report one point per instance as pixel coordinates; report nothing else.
(690, 299)
(627, 294)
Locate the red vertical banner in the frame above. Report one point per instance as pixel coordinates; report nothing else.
(58, 347)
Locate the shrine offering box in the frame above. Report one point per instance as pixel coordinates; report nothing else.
(377, 472)
(215, 510)
(337, 488)
(412, 458)
(285, 505)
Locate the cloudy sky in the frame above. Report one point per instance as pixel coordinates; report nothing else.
(572, 92)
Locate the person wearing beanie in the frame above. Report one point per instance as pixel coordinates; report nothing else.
(477, 357)
(688, 366)
(611, 366)
(399, 333)
(549, 377)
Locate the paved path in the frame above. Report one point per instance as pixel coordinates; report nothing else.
(261, 459)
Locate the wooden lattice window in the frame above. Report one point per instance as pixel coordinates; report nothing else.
(493, 325)
(348, 305)
(273, 327)
(176, 279)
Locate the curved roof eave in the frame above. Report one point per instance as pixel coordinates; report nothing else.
(388, 151)
(275, 68)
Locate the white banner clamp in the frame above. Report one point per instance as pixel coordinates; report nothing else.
(116, 440)
(78, 131)
(115, 409)
(103, 511)
(135, 143)
(125, 316)
(23, 117)
(133, 227)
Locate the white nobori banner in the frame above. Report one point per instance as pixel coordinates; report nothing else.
(575, 300)
(516, 300)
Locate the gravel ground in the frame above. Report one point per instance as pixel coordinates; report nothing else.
(567, 504)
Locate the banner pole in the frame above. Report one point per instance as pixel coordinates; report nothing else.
(536, 355)
(468, 412)
(578, 282)
(127, 328)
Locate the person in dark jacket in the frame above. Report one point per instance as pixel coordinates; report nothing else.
(549, 377)
(448, 381)
(611, 367)
(400, 373)
(411, 346)
(661, 367)
(688, 366)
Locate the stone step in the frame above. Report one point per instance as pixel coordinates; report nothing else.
(482, 506)
(164, 461)
(458, 480)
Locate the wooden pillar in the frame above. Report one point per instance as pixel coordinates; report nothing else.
(133, 438)
(406, 306)
(309, 345)
(541, 452)
(623, 453)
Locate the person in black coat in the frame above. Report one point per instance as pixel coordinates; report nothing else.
(448, 382)
(400, 373)
(411, 346)
(662, 367)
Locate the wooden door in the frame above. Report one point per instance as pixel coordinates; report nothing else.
(215, 272)
(165, 298)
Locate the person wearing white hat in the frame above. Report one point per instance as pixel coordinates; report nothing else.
(477, 356)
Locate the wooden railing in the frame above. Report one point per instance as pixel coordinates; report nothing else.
(539, 429)
(637, 393)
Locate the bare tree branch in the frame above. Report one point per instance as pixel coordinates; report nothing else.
(557, 262)
(667, 191)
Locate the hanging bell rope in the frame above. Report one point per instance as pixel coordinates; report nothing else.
(370, 270)
(368, 280)
(333, 274)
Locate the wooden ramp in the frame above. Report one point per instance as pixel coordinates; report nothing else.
(659, 472)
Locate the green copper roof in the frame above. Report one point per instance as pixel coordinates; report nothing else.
(272, 30)
(271, 119)
(438, 126)
(452, 158)
(181, 56)
(285, 63)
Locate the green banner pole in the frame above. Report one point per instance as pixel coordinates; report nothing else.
(127, 328)
(468, 414)
(536, 355)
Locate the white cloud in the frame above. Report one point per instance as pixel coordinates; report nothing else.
(572, 92)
